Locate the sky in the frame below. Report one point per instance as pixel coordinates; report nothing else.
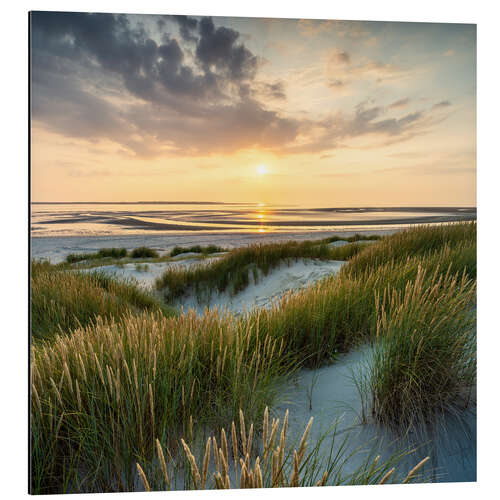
(287, 111)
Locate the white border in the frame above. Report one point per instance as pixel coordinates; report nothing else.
(14, 204)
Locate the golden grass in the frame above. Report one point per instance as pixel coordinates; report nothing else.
(275, 466)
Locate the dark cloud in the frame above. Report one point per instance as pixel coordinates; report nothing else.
(227, 128)
(117, 46)
(186, 27)
(219, 48)
(182, 99)
(190, 100)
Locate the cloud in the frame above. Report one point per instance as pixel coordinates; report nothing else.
(342, 29)
(99, 77)
(337, 130)
(219, 47)
(449, 53)
(268, 90)
(187, 25)
(401, 103)
(351, 29)
(442, 104)
(181, 101)
(429, 169)
(371, 42)
(342, 71)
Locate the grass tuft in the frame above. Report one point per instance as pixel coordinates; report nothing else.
(115, 253)
(424, 358)
(271, 463)
(63, 300)
(143, 252)
(207, 250)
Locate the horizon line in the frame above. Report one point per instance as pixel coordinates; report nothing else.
(184, 202)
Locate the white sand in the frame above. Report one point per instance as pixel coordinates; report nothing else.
(185, 255)
(329, 394)
(261, 294)
(339, 243)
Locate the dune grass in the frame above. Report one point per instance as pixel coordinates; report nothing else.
(103, 395)
(102, 253)
(353, 239)
(424, 361)
(112, 254)
(62, 300)
(417, 241)
(340, 312)
(143, 253)
(240, 459)
(207, 250)
(232, 272)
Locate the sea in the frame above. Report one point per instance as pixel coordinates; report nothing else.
(134, 218)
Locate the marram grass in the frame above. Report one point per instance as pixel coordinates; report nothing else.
(204, 250)
(102, 394)
(240, 459)
(231, 272)
(62, 300)
(112, 254)
(425, 349)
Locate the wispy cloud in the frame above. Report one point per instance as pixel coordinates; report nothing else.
(442, 104)
(400, 103)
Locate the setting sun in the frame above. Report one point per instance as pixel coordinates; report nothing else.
(261, 170)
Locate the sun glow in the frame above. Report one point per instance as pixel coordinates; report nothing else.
(261, 170)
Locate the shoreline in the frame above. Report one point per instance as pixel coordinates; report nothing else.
(56, 248)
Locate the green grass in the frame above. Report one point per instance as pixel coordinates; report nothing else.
(119, 385)
(112, 254)
(418, 241)
(424, 360)
(102, 395)
(115, 253)
(232, 272)
(353, 239)
(340, 312)
(143, 252)
(207, 250)
(62, 300)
